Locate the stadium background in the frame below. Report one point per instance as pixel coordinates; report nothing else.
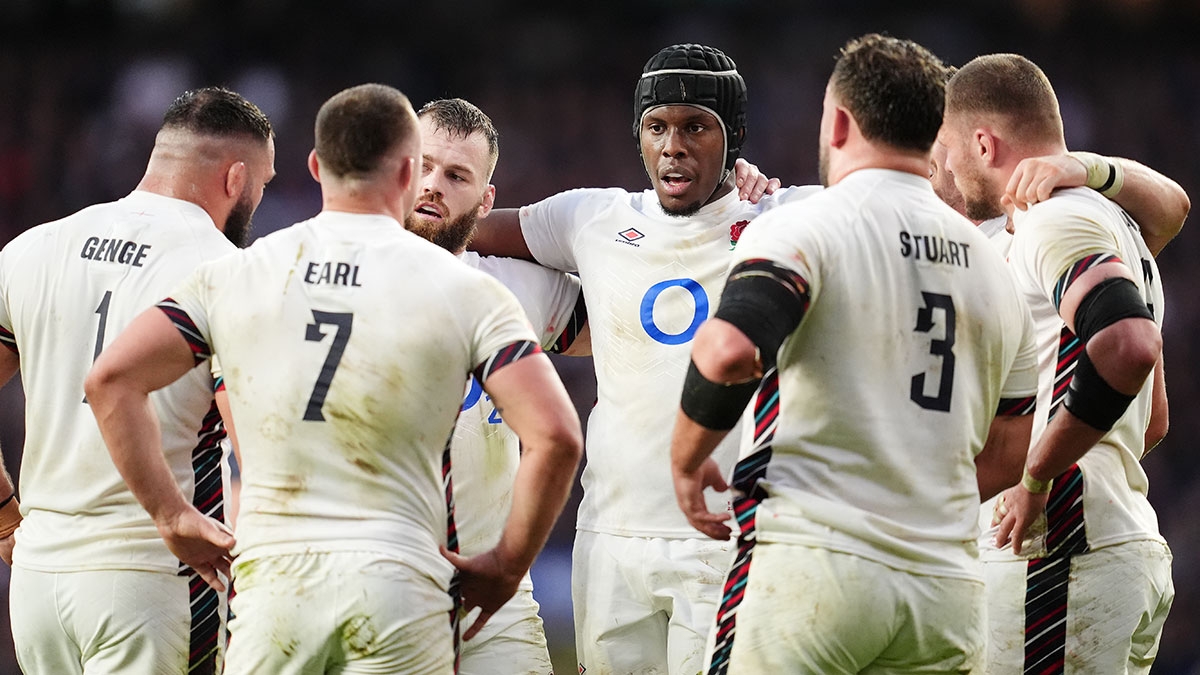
(83, 85)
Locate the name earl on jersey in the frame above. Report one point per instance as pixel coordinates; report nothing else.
(933, 248)
(340, 273)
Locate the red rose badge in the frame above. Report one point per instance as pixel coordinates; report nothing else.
(735, 232)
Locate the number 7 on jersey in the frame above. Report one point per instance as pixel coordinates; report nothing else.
(341, 322)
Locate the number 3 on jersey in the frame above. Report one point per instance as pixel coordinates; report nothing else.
(943, 348)
(341, 322)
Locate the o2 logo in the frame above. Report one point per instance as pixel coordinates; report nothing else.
(699, 298)
(474, 393)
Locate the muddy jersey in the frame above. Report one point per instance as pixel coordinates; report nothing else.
(345, 342)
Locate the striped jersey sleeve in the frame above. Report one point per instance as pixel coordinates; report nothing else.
(508, 354)
(187, 308)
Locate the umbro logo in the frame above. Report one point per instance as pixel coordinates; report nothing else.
(629, 236)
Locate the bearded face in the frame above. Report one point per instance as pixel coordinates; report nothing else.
(240, 220)
(450, 231)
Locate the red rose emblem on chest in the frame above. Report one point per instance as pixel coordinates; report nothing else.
(735, 232)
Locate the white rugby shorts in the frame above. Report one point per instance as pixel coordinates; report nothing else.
(645, 604)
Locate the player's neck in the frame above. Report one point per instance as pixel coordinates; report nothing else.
(874, 158)
(366, 202)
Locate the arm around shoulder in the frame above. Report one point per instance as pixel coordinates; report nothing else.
(500, 234)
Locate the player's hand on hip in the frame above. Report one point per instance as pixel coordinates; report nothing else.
(1016, 512)
(6, 549)
(200, 542)
(751, 183)
(485, 582)
(689, 492)
(1035, 178)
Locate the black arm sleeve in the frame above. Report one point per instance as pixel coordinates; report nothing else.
(766, 301)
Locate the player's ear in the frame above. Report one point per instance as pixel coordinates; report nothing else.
(406, 176)
(842, 122)
(314, 167)
(489, 200)
(235, 179)
(985, 146)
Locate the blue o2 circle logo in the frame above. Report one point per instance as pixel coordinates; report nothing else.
(647, 311)
(473, 395)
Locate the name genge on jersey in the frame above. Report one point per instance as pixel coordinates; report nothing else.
(115, 250)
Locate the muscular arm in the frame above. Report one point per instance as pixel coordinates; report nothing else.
(146, 356)
(998, 465)
(722, 353)
(500, 234)
(1157, 203)
(533, 402)
(1124, 354)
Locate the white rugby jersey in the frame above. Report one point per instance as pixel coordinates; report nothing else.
(996, 231)
(649, 281)
(345, 342)
(885, 393)
(68, 288)
(1055, 241)
(485, 452)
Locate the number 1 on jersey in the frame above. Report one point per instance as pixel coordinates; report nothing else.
(341, 322)
(102, 310)
(943, 348)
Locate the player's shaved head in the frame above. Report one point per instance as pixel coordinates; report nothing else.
(894, 88)
(1012, 91)
(216, 111)
(460, 119)
(360, 127)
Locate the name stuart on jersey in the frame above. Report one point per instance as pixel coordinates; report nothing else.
(934, 249)
(115, 250)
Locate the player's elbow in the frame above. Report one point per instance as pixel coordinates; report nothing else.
(1129, 349)
(1182, 205)
(99, 382)
(723, 353)
(1143, 347)
(567, 440)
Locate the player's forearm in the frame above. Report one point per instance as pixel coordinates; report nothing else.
(129, 425)
(998, 466)
(500, 234)
(540, 491)
(1157, 203)
(691, 444)
(1066, 440)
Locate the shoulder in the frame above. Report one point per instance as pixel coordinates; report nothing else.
(789, 195)
(582, 199)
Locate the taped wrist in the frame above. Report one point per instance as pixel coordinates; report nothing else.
(714, 405)
(1092, 399)
(1108, 302)
(10, 516)
(1104, 174)
(766, 301)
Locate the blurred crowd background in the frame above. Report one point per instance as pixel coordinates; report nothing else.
(83, 85)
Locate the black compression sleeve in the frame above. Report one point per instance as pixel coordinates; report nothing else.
(1108, 302)
(766, 301)
(1092, 399)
